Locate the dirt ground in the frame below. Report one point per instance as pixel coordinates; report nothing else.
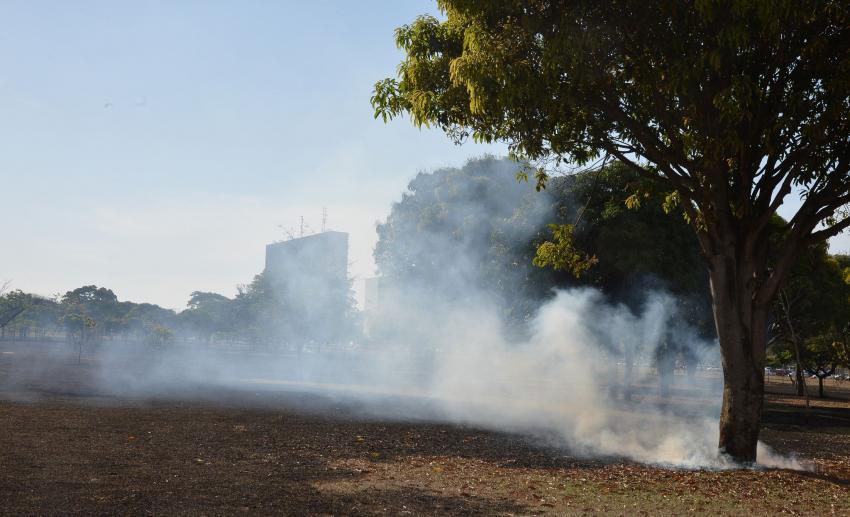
(69, 450)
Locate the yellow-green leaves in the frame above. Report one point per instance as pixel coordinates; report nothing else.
(633, 201)
(561, 254)
(671, 202)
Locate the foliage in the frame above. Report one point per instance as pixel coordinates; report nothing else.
(461, 233)
(561, 254)
(12, 304)
(207, 314)
(811, 316)
(699, 91)
(475, 230)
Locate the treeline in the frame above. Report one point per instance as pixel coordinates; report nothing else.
(257, 315)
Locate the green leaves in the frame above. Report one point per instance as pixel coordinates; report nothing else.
(686, 87)
(387, 102)
(671, 202)
(561, 253)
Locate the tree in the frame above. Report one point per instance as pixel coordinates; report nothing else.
(821, 359)
(260, 314)
(159, 338)
(12, 304)
(79, 328)
(467, 232)
(140, 318)
(729, 106)
(24, 313)
(98, 304)
(813, 304)
(208, 314)
(473, 231)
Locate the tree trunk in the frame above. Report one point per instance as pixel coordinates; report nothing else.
(820, 387)
(801, 382)
(742, 332)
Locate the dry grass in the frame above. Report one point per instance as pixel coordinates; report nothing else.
(64, 450)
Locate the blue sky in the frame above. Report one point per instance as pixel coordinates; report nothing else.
(155, 147)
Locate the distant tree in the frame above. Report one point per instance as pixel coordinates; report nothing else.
(261, 315)
(821, 358)
(464, 233)
(12, 305)
(442, 228)
(39, 316)
(159, 338)
(139, 318)
(729, 106)
(812, 307)
(208, 314)
(96, 303)
(79, 328)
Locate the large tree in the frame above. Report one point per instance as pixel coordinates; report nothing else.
(466, 232)
(730, 105)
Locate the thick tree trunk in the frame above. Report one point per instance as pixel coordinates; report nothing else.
(820, 387)
(742, 332)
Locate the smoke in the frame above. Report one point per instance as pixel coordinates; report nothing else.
(593, 377)
(563, 385)
(564, 382)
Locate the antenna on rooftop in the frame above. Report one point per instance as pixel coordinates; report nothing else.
(324, 218)
(287, 232)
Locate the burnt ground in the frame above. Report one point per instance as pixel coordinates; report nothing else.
(67, 449)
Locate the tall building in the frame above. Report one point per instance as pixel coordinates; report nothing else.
(309, 277)
(317, 258)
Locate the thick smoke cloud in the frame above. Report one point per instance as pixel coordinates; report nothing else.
(580, 376)
(561, 386)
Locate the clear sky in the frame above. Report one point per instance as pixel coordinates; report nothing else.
(155, 147)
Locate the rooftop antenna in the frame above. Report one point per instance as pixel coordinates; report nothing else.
(324, 218)
(287, 232)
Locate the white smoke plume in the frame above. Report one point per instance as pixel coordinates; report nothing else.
(454, 358)
(562, 385)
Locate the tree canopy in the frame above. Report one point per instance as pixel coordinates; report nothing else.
(729, 104)
(475, 230)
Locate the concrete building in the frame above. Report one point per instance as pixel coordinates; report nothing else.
(316, 258)
(309, 277)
